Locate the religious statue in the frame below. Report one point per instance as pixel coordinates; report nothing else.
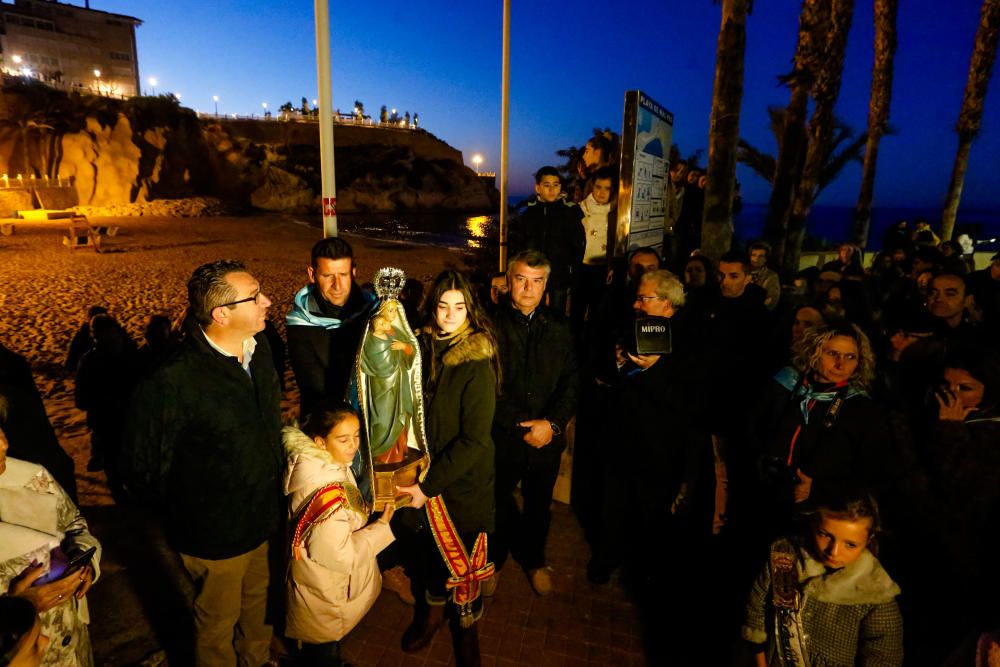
(390, 397)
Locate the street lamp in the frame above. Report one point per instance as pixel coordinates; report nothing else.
(152, 84)
(477, 160)
(97, 75)
(17, 59)
(215, 98)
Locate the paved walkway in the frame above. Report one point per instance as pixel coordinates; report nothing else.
(140, 609)
(578, 624)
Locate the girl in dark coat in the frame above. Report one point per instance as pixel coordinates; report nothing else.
(460, 385)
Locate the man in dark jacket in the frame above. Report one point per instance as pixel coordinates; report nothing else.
(553, 226)
(203, 442)
(540, 380)
(325, 325)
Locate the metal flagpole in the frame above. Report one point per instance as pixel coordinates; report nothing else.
(504, 127)
(329, 183)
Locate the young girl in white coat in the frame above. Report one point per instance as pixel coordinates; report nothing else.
(333, 579)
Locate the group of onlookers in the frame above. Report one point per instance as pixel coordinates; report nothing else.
(839, 427)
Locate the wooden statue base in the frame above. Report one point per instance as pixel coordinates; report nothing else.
(390, 475)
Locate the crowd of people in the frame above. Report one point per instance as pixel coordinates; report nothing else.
(793, 476)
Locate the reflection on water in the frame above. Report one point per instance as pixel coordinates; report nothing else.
(441, 229)
(477, 227)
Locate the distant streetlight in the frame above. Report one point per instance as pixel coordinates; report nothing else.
(477, 160)
(153, 83)
(215, 98)
(17, 59)
(97, 75)
(26, 71)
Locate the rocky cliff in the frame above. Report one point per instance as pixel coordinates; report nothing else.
(125, 152)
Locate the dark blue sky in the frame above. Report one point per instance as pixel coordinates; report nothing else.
(571, 64)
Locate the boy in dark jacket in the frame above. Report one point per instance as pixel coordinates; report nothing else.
(553, 226)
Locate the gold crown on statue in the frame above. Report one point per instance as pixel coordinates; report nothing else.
(389, 282)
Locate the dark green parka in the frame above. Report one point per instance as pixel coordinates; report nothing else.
(460, 400)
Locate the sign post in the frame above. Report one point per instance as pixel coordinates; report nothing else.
(647, 132)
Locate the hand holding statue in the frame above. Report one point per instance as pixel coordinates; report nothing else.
(387, 514)
(418, 497)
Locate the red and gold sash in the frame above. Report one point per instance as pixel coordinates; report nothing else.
(466, 572)
(321, 506)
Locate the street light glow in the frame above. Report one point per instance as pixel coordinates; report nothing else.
(153, 81)
(215, 98)
(17, 59)
(477, 160)
(97, 73)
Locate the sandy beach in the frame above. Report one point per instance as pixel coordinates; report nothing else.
(46, 289)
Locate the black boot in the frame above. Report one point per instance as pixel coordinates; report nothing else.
(427, 618)
(465, 642)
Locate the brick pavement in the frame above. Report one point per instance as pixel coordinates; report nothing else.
(578, 624)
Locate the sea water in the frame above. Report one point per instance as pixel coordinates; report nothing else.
(828, 226)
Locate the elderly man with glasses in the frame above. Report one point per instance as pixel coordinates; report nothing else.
(203, 445)
(657, 454)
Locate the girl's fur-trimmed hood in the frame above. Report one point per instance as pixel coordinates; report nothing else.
(473, 347)
(309, 466)
(862, 582)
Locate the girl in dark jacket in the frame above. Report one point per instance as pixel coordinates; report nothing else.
(460, 385)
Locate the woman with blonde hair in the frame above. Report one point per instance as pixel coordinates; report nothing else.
(817, 425)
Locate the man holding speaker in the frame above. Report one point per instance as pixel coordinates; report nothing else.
(657, 454)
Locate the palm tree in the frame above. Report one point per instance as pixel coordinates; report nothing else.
(969, 120)
(724, 132)
(845, 147)
(814, 21)
(878, 112)
(825, 91)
